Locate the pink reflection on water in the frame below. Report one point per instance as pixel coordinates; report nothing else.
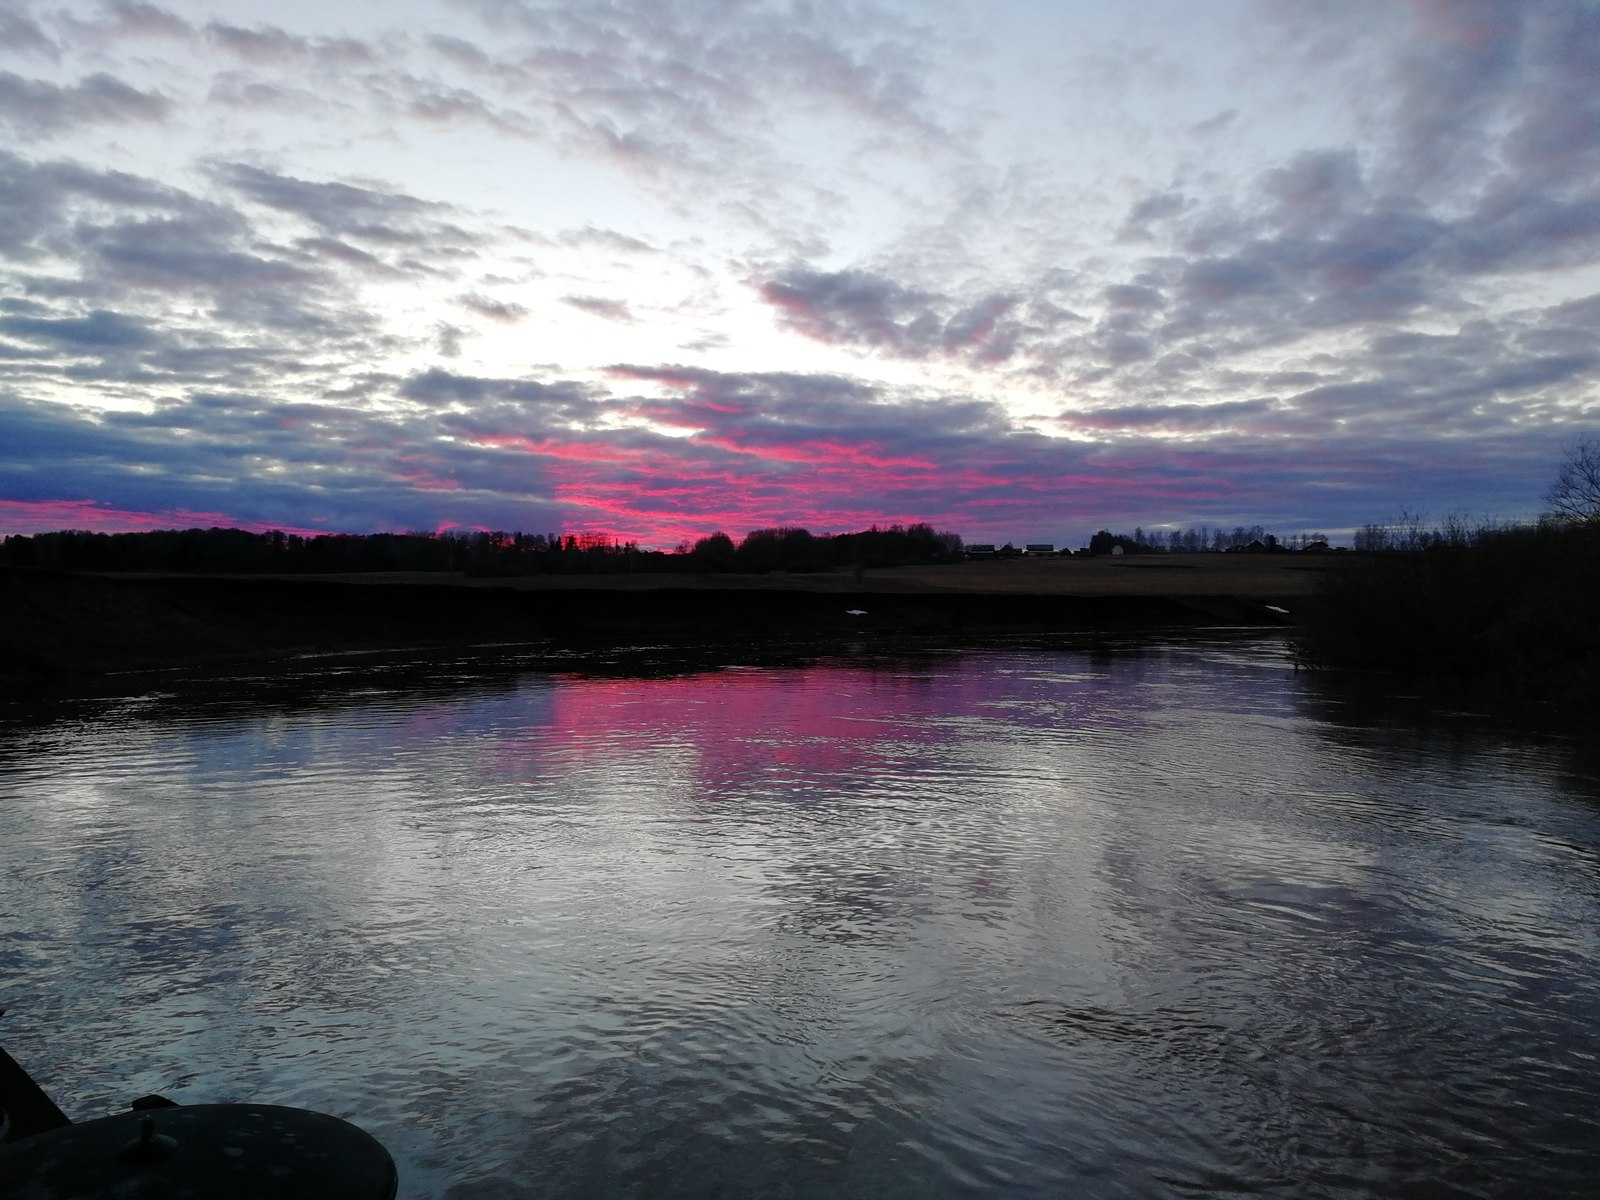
(757, 732)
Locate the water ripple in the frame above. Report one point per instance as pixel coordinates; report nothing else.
(1143, 920)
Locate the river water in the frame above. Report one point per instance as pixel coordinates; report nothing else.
(1146, 918)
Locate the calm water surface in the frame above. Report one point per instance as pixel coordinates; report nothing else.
(1148, 919)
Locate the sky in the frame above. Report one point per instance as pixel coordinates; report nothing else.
(654, 268)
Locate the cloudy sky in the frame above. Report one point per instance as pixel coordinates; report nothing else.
(657, 267)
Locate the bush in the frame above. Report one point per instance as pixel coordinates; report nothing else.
(1512, 608)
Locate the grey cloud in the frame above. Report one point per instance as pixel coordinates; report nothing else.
(36, 108)
(441, 388)
(191, 254)
(1158, 206)
(865, 309)
(1518, 227)
(711, 341)
(461, 52)
(99, 330)
(259, 460)
(1463, 60)
(344, 252)
(1346, 398)
(415, 236)
(21, 34)
(1119, 348)
(776, 408)
(338, 208)
(1133, 296)
(56, 209)
(1214, 124)
(239, 89)
(1185, 418)
(1530, 374)
(1315, 188)
(504, 311)
(430, 102)
(698, 89)
(982, 329)
(135, 18)
(600, 306)
(1223, 280)
(606, 239)
(149, 253)
(268, 45)
(1552, 143)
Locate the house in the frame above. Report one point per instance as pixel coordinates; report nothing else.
(1041, 548)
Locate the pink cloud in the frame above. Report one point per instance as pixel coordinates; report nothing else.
(43, 516)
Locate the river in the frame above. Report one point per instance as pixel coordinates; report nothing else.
(1149, 917)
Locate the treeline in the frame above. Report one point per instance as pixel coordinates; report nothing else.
(1411, 532)
(1200, 539)
(1512, 607)
(795, 549)
(477, 553)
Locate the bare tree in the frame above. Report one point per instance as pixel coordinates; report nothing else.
(1575, 494)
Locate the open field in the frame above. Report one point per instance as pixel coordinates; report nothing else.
(60, 624)
(1246, 576)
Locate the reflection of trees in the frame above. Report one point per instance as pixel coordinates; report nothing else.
(1376, 720)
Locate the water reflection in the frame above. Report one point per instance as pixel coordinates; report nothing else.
(1157, 919)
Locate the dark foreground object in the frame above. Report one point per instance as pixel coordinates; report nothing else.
(238, 1151)
(55, 624)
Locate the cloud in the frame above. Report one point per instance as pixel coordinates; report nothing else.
(21, 34)
(244, 90)
(1214, 124)
(868, 310)
(564, 401)
(605, 239)
(600, 306)
(504, 312)
(1149, 419)
(35, 108)
(684, 93)
(99, 330)
(168, 288)
(343, 209)
(1256, 302)
(252, 460)
(445, 106)
(1153, 208)
(135, 18)
(267, 45)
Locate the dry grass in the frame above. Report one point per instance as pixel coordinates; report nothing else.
(1242, 575)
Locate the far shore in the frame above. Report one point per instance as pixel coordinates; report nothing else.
(59, 626)
(1248, 576)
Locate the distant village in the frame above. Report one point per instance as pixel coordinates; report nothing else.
(1192, 541)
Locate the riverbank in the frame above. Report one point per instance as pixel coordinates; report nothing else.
(56, 625)
(1505, 616)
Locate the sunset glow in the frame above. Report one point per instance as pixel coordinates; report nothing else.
(663, 268)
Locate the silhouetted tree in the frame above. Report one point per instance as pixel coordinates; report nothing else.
(713, 553)
(1575, 494)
